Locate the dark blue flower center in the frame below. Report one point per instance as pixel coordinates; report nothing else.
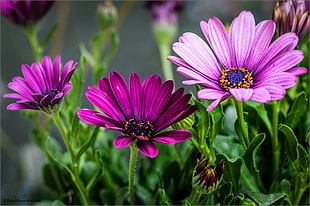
(139, 128)
(236, 78)
(52, 92)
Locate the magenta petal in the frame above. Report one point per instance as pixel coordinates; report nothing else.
(122, 141)
(148, 148)
(136, 94)
(90, 117)
(172, 137)
(20, 106)
(297, 71)
(241, 94)
(121, 93)
(210, 94)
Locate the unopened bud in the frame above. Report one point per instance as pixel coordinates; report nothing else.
(106, 15)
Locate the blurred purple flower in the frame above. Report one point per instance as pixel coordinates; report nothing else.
(241, 63)
(25, 12)
(164, 12)
(291, 16)
(139, 110)
(43, 85)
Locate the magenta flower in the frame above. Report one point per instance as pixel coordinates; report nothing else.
(139, 110)
(240, 63)
(43, 85)
(25, 12)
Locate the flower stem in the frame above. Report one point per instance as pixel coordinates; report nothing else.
(75, 174)
(132, 167)
(196, 198)
(31, 33)
(164, 50)
(274, 139)
(244, 137)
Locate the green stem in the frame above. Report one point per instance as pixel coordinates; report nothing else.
(164, 50)
(31, 33)
(75, 174)
(244, 137)
(132, 167)
(196, 198)
(274, 139)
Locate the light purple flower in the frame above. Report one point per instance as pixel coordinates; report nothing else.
(242, 63)
(165, 12)
(25, 12)
(139, 110)
(43, 85)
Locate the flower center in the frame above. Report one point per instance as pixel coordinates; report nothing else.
(236, 78)
(52, 92)
(139, 128)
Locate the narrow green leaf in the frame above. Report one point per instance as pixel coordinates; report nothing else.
(291, 141)
(297, 110)
(49, 35)
(87, 55)
(53, 149)
(250, 160)
(232, 171)
(265, 199)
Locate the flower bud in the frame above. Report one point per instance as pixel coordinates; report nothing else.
(206, 178)
(106, 15)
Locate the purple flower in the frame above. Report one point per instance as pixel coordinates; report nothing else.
(241, 63)
(43, 85)
(164, 12)
(139, 110)
(291, 16)
(25, 12)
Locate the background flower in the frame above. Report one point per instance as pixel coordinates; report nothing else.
(25, 12)
(140, 111)
(43, 85)
(291, 16)
(241, 63)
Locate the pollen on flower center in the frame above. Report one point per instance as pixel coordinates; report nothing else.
(236, 78)
(140, 128)
(52, 92)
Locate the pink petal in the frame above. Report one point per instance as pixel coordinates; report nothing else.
(90, 117)
(148, 148)
(172, 137)
(122, 141)
(261, 95)
(241, 33)
(241, 94)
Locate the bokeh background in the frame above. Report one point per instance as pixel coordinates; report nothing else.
(21, 161)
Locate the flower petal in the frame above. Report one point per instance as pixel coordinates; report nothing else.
(241, 94)
(19, 106)
(121, 93)
(261, 95)
(148, 148)
(241, 33)
(217, 37)
(263, 34)
(122, 141)
(136, 94)
(90, 117)
(173, 136)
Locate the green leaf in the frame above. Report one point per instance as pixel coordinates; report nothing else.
(49, 203)
(185, 124)
(265, 199)
(87, 55)
(162, 198)
(290, 141)
(49, 35)
(228, 146)
(297, 110)
(232, 171)
(53, 149)
(250, 158)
